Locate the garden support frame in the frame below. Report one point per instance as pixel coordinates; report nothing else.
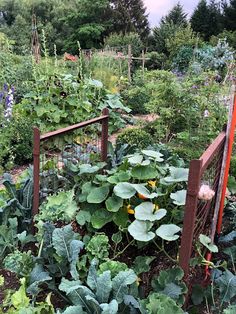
(200, 217)
(38, 139)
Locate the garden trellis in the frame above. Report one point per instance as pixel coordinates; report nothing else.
(122, 54)
(75, 143)
(201, 216)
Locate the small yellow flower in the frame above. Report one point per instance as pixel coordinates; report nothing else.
(138, 280)
(152, 184)
(130, 210)
(156, 207)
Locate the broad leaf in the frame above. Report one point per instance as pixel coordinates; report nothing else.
(82, 217)
(98, 195)
(144, 172)
(114, 203)
(177, 175)
(135, 159)
(100, 218)
(140, 230)
(153, 154)
(111, 308)
(121, 282)
(124, 190)
(142, 264)
(145, 211)
(168, 232)
(227, 285)
(206, 241)
(179, 197)
(37, 277)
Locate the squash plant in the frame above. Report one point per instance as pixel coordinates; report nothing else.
(143, 187)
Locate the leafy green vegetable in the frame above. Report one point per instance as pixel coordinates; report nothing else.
(168, 232)
(146, 211)
(170, 282)
(140, 230)
(61, 206)
(206, 241)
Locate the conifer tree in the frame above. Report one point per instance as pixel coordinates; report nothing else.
(177, 16)
(130, 16)
(230, 15)
(200, 19)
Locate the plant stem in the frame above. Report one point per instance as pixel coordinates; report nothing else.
(162, 249)
(121, 252)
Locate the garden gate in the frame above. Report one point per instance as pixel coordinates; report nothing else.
(75, 141)
(212, 169)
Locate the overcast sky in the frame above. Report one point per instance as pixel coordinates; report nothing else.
(158, 8)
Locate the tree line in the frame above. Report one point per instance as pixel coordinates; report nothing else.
(65, 22)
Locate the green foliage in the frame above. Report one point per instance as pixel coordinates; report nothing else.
(206, 19)
(17, 199)
(18, 262)
(159, 303)
(170, 283)
(129, 17)
(136, 137)
(17, 140)
(19, 303)
(120, 40)
(114, 267)
(101, 291)
(61, 206)
(98, 247)
(135, 97)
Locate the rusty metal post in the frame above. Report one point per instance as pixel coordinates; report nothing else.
(104, 139)
(36, 164)
(190, 214)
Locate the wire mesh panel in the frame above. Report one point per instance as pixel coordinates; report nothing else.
(66, 148)
(199, 212)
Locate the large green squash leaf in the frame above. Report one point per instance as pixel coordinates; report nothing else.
(145, 211)
(144, 172)
(100, 218)
(114, 203)
(168, 232)
(140, 230)
(98, 195)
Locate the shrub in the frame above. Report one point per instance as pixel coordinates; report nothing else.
(120, 40)
(134, 137)
(17, 140)
(135, 98)
(156, 60)
(183, 58)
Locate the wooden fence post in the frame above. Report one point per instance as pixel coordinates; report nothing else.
(36, 168)
(104, 139)
(129, 62)
(186, 248)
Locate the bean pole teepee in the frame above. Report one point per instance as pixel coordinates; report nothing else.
(35, 45)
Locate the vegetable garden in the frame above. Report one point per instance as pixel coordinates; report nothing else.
(114, 167)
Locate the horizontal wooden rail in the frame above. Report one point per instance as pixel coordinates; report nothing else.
(73, 127)
(212, 150)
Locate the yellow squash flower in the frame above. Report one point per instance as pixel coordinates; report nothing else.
(152, 184)
(130, 210)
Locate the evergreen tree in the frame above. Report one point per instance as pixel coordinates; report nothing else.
(177, 16)
(230, 15)
(200, 19)
(130, 16)
(207, 19)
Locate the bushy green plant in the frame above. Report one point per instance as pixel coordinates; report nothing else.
(134, 137)
(122, 41)
(155, 60)
(183, 58)
(17, 139)
(136, 97)
(18, 262)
